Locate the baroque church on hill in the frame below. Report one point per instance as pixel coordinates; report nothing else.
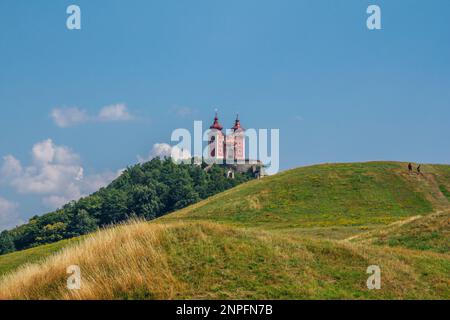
(228, 149)
(224, 147)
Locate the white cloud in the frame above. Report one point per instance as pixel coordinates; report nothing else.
(56, 201)
(162, 150)
(55, 173)
(9, 217)
(11, 167)
(68, 117)
(54, 167)
(117, 112)
(93, 182)
(73, 192)
(47, 152)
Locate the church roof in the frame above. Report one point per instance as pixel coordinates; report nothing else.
(237, 124)
(216, 124)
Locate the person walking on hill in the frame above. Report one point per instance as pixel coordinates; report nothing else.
(410, 167)
(418, 169)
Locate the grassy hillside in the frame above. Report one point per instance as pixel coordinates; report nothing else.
(202, 260)
(306, 233)
(430, 232)
(9, 262)
(329, 195)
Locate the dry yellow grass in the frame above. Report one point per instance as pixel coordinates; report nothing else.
(205, 260)
(127, 258)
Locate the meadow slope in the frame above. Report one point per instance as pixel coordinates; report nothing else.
(430, 232)
(328, 195)
(307, 233)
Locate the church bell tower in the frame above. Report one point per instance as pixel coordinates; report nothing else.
(216, 141)
(239, 140)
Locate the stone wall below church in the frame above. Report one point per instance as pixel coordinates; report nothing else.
(255, 167)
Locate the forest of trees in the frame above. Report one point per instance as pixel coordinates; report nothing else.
(147, 191)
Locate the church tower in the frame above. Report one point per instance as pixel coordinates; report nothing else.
(216, 141)
(239, 140)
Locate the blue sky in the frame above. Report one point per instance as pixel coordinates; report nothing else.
(139, 69)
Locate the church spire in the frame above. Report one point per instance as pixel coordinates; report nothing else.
(237, 124)
(216, 124)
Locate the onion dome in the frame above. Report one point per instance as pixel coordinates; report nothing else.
(237, 124)
(216, 125)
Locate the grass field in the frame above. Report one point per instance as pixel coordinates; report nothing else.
(11, 261)
(430, 232)
(307, 233)
(326, 195)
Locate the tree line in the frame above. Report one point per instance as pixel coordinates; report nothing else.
(146, 191)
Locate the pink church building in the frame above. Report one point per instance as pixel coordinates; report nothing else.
(227, 148)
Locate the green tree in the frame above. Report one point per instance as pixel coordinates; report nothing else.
(114, 207)
(6, 243)
(82, 223)
(147, 190)
(52, 233)
(145, 202)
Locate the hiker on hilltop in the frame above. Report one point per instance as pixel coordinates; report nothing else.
(410, 167)
(418, 169)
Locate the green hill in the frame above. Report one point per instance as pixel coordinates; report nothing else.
(328, 195)
(307, 233)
